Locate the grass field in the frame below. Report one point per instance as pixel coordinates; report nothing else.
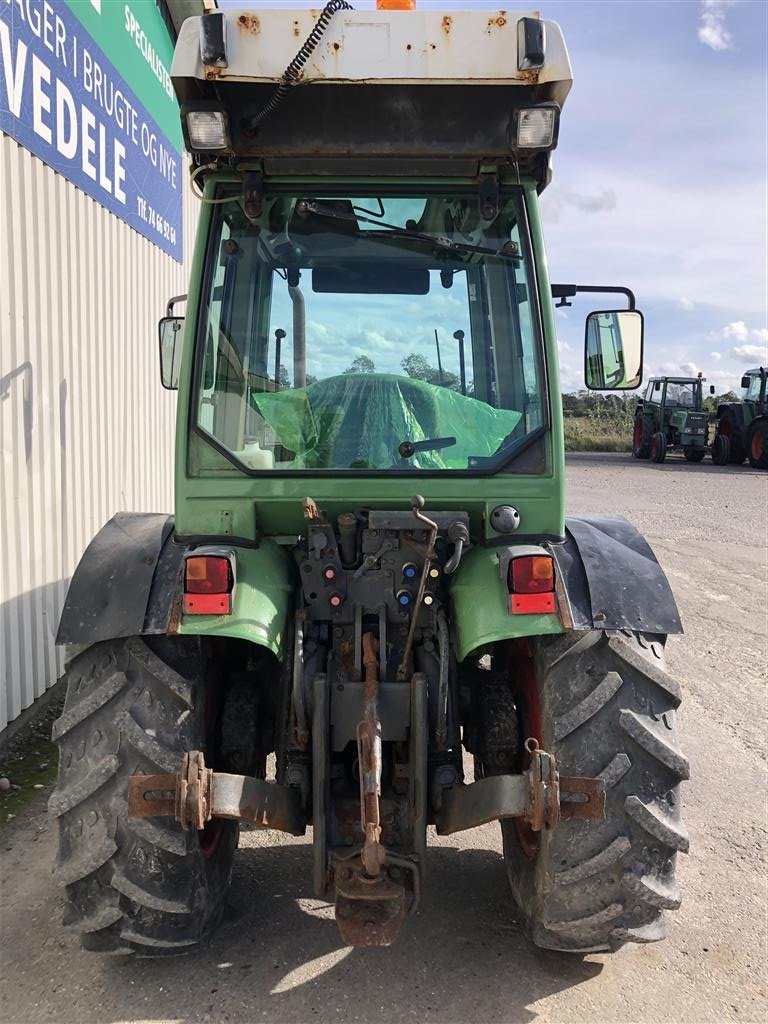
(584, 434)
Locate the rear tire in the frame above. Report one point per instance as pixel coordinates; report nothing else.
(757, 444)
(728, 426)
(134, 885)
(694, 454)
(658, 447)
(607, 709)
(641, 445)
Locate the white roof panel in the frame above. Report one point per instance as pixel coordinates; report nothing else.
(385, 47)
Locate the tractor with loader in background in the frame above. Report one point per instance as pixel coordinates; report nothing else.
(369, 614)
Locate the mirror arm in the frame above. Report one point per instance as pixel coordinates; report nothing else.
(172, 302)
(567, 291)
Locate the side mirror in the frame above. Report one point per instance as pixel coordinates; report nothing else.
(613, 350)
(745, 381)
(711, 389)
(169, 331)
(657, 386)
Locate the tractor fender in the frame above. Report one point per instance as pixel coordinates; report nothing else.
(612, 579)
(109, 594)
(607, 578)
(128, 583)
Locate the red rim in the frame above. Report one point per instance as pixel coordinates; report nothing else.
(654, 448)
(529, 710)
(724, 428)
(210, 837)
(757, 445)
(638, 434)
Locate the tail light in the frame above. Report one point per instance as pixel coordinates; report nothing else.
(531, 583)
(209, 581)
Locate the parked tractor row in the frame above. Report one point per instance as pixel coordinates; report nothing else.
(671, 417)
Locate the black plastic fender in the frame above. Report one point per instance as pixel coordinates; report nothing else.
(612, 579)
(125, 582)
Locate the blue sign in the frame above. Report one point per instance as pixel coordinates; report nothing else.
(62, 99)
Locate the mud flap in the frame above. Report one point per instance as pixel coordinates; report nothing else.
(612, 579)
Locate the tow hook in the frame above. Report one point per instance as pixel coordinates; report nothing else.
(370, 896)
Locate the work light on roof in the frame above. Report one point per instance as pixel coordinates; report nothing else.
(206, 129)
(536, 127)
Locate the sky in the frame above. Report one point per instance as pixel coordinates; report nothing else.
(660, 176)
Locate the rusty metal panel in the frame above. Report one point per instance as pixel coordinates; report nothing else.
(376, 46)
(86, 430)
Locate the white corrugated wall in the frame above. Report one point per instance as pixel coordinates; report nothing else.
(86, 430)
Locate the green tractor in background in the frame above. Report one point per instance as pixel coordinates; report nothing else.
(308, 642)
(742, 427)
(671, 417)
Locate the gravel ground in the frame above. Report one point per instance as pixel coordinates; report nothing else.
(279, 957)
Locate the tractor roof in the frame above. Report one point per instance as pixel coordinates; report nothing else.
(418, 90)
(677, 380)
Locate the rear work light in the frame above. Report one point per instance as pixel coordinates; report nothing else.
(536, 127)
(206, 126)
(531, 583)
(209, 581)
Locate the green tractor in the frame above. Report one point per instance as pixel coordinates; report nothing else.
(742, 427)
(671, 417)
(309, 642)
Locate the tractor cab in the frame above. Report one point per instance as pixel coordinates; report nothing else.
(754, 384)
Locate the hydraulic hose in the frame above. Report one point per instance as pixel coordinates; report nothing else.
(441, 728)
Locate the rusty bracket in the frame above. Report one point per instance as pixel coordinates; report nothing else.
(536, 796)
(489, 195)
(195, 794)
(589, 802)
(543, 797)
(253, 190)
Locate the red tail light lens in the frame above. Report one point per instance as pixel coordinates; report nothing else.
(531, 574)
(208, 582)
(531, 583)
(208, 574)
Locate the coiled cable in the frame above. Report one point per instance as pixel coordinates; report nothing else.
(293, 71)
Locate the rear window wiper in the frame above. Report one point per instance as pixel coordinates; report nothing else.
(304, 207)
(407, 449)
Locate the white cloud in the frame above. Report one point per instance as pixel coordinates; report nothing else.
(712, 29)
(686, 303)
(715, 357)
(623, 247)
(736, 330)
(750, 353)
(690, 369)
(760, 334)
(605, 200)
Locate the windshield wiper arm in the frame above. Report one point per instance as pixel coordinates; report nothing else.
(508, 251)
(407, 449)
